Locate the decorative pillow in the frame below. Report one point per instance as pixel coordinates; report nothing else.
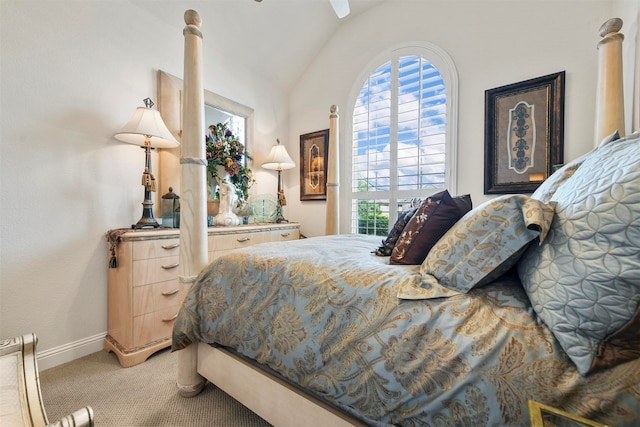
(584, 280)
(486, 242)
(545, 191)
(609, 138)
(463, 202)
(387, 245)
(432, 219)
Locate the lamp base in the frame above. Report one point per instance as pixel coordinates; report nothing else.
(279, 217)
(147, 219)
(146, 223)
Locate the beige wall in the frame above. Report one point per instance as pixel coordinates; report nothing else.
(629, 11)
(492, 43)
(72, 74)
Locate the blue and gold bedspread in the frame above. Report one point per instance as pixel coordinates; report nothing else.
(323, 312)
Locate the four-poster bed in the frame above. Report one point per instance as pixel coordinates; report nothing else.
(322, 332)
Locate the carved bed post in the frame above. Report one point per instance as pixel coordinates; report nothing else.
(610, 95)
(193, 204)
(332, 224)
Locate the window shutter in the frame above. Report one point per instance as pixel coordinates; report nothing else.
(399, 141)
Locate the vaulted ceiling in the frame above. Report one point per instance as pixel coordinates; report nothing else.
(277, 38)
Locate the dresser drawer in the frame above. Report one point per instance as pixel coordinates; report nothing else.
(248, 239)
(158, 296)
(154, 326)
(217, 254)
(155, 270)
(236, 240)
(283, 235)
(146, 249)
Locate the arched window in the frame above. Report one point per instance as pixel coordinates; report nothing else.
(402, 136)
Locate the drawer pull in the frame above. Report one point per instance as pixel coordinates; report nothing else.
(172, 292)
(171, 246)
(171, 319)
(285, 234)
(243, 239)
(170, 266)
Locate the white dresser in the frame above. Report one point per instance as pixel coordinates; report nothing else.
(145, 293)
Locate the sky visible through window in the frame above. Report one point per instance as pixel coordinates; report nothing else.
(416, 133)
(399, 134)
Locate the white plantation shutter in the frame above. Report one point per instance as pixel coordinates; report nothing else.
(399, 149)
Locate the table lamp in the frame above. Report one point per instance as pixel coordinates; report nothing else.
(147, 130)
(278, 159)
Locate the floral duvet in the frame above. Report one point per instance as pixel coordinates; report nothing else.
(324, 314)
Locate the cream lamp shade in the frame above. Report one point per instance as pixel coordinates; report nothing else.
(146, 123)
(147, 130)
(279, 160)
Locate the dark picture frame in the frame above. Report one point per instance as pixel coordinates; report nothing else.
(314, 152)
(524, 134)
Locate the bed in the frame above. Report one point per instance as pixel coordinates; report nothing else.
(520, 298)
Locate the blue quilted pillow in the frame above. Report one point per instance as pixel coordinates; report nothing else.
(548, 188)
(584, 279)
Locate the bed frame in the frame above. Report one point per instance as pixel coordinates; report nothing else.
(276, 401)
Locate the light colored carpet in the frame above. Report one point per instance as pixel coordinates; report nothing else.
(142, 395)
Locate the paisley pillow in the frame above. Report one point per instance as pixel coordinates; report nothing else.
(486, 242)
(584, 280)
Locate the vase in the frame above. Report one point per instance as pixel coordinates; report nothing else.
(213, 207)
(228, 198)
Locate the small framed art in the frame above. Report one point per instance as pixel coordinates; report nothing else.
(542, 415)
(524, 134)
(314, 149)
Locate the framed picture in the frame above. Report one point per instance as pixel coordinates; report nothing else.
(542, 415)
(524, 134)
(314, 149)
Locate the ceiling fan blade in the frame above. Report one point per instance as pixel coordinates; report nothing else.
(341, 7)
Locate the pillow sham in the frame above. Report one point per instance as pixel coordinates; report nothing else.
(584, 280)
(433, 218)
(546, 190)
(486, 242)
(464, 203)
(609, 138)
(387, 245)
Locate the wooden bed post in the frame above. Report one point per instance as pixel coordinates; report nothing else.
(332, 224)
(610, 95)
(193, 204)
(635, 109)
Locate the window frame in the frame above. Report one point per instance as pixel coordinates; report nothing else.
(445, 65)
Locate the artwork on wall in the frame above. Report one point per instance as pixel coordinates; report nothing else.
(314, 149)
(524, 134)
(542, 415)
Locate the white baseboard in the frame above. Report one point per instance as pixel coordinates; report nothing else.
(66, 353)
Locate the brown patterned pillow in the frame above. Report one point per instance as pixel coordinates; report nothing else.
(464, 203)
(387, 245)
(433, 218)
